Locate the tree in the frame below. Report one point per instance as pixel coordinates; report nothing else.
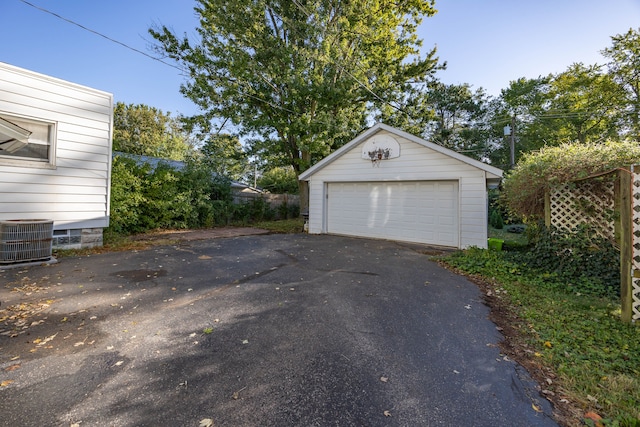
(279, 180)
(583, 106)
(624, 68)
(299, 78)
(450, 115)
(143, 130)
(224, 154)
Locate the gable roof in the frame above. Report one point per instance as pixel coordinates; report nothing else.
(492, 171)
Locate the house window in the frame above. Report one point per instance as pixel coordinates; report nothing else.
(26, 140)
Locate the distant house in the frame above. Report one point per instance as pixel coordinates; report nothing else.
(389, 184)
(55, 155)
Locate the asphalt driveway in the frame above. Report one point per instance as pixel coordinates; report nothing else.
(273, 330)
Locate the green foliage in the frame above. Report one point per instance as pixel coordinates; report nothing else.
(525, 185)
(145, 198)
(580, 337)
(581, 260)
(453, 116)
(147, 131)
(299, 78)
(495, 220)
(127, 195)
(279, 180)
(624, 69)
(224, 154)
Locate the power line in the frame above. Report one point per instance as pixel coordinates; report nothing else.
(99, 34)
(147, 55)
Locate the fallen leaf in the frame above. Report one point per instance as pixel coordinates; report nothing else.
(384, 379)
(12, 367)
(387, 413)
(536, 408)
(75, 425)
(594, 417)
(548, 344)
(207, 422)
(78, 344)
(5, 383)
(205, 257)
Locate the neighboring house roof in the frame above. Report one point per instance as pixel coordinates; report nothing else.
(493, 173)
(174, 164)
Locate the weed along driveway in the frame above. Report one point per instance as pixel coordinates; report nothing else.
(271, 330)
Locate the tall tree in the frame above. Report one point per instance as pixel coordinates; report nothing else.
(584, 103)
(299, 77)
(143, 130)
(223, 153)
(624, 67)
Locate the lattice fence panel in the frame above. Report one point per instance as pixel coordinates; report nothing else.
(635, 264)
(585, 202)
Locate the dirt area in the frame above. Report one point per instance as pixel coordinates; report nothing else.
(204, 234)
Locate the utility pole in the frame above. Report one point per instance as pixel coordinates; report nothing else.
(510, 130)
(513, 141)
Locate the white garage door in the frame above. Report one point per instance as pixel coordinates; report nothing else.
(411, 211)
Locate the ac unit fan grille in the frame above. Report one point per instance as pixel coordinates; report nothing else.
(25, 240)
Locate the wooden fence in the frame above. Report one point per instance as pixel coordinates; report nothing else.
(274, 200)
(611, 204)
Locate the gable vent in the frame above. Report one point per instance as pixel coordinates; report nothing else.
(25, 240)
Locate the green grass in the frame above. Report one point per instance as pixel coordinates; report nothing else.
(580, 338)
(510, 239)
(288, 226)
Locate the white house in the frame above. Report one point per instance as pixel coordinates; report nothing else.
(389, 184)
(55, 155)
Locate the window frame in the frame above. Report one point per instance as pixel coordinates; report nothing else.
(50, 162)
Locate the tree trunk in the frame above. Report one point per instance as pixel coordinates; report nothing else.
(303, 186)
(303, 190)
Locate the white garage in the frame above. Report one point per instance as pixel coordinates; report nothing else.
(389, 184)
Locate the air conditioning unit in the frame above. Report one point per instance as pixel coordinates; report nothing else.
(24, 240)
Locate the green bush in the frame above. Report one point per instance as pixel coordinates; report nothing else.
(495, 220)
(127, 196)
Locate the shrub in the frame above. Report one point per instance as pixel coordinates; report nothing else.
(495, 220)
(524, 186)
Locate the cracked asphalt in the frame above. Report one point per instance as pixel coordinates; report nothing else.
(268, 330)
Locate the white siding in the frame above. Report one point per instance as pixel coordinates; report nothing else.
(416, 163)
(74, 192)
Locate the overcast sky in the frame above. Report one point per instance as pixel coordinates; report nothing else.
(486, 43)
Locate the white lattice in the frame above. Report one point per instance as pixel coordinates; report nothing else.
(635, 269)
(585, 202)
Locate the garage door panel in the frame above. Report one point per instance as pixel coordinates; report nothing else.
(420, 211)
